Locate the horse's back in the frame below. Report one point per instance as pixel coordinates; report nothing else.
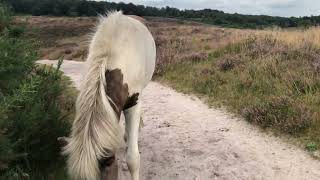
(130, 47)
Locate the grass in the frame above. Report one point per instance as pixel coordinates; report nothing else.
(271, 78)
(59, 36)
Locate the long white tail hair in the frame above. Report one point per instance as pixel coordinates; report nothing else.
(96, 132)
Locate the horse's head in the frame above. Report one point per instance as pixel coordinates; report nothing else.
(109, 168)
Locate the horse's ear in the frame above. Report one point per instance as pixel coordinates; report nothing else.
(63, 141)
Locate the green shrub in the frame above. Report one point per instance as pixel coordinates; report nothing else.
(311, 147)
(34, 112)
(16, 31)
(34, 121)
(5, 16)
(17, 61)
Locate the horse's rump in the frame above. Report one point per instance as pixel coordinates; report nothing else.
(96, 133)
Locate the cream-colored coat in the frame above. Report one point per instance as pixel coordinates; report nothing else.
(120, 42)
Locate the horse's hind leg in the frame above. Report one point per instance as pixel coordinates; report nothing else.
(132, 118)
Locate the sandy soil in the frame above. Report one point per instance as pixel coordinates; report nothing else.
(183, 139)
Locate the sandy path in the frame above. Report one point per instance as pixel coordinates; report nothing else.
(182, 139)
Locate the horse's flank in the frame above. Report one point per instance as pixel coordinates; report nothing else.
(123, 43)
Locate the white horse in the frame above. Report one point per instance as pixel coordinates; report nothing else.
(120, 64)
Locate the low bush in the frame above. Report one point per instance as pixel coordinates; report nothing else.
(32, 122)
(34, 111)
(5, 16)
(17, 61)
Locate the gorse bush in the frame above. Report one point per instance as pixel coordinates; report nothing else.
(17, 61)
(34, 112)
(34, 121)
(5, 16)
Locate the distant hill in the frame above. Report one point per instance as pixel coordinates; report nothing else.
(216, 17)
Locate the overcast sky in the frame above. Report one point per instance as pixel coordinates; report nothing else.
(267, 7)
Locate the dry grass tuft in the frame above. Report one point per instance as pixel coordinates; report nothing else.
(279, 113)
(297, 39)
(228, 63)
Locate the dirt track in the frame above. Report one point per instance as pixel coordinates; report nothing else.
(182, 139)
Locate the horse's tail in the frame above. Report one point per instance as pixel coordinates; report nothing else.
(96, 131)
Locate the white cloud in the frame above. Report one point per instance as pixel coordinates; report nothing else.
(268, 7)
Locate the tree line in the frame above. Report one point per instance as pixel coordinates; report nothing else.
(92, 8)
